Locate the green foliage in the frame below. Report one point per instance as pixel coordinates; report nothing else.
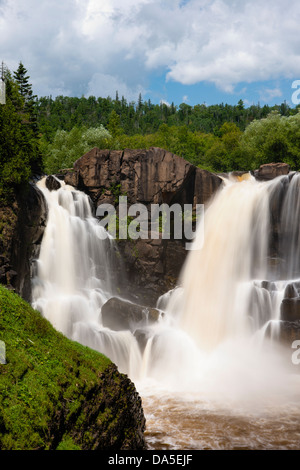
(67, 147)
(208, 136)
(46, 376)
(271, 139)
(67, 444)
(143, 117)
(19, 150)
(275, 138)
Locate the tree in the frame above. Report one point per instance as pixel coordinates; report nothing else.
(19, 156)
(69, 146)
(29, 100)
(114, 124)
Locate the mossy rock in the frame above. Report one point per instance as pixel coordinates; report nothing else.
(58, 394)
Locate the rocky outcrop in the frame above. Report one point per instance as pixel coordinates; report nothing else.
(113, 416)
(52, 183)
(21, 232)
(151, 176)
(119, 314)
(289, 331)
(270, 171)
(151, 267)
(58, 394)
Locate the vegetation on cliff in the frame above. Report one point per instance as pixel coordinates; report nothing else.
(217, 138)
(58, 394)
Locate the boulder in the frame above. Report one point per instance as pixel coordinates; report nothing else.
(118, 314)
(292, 290)
(52, 183)
(270, 171)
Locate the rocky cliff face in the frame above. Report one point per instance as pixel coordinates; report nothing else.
(21, 232)
(153, 176)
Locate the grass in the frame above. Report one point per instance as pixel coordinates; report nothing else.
(45, 382)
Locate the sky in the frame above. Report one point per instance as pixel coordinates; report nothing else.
(180, 51)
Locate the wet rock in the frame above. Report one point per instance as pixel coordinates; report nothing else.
(292, 290)
(290, 309)
(27, 238)
(21, 232)
(142, 337)
(289, 331)
(206, 185)
(270, 171)
(152, 267)
(52, 183)
(70, 177)
(268, 285)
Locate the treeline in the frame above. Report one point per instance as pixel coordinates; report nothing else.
(144, 117)
(20, 154)
(45, 134)
(271, 139)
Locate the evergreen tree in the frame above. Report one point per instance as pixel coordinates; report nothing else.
(19, 145)
(29, 99)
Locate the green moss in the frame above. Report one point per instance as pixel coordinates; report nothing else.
(46, 377)
(67, 444)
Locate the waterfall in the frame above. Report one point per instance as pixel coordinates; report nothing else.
(76, 273)
(211, 340)
(222, 284)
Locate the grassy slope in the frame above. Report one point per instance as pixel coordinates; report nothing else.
(45, 381)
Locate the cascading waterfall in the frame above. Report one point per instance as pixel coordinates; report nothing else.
(208, 351)
(76, 275)
(222, 283)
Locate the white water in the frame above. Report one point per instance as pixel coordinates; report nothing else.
(207, 360)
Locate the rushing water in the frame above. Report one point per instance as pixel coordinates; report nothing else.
(208, 376)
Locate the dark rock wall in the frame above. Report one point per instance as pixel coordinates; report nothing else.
(151, 176)
(113, 416)
(24, 222)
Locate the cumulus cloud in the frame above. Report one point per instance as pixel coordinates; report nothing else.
(267, 94)
(85, 46)
(107, 85)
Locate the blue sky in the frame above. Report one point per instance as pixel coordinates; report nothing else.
(192, 51)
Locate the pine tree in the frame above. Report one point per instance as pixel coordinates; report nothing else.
(29, 100)
(22, 80)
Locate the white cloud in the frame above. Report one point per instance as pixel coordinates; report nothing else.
(78, 46)
(268, 94)
(107, 85)
(165, 102)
